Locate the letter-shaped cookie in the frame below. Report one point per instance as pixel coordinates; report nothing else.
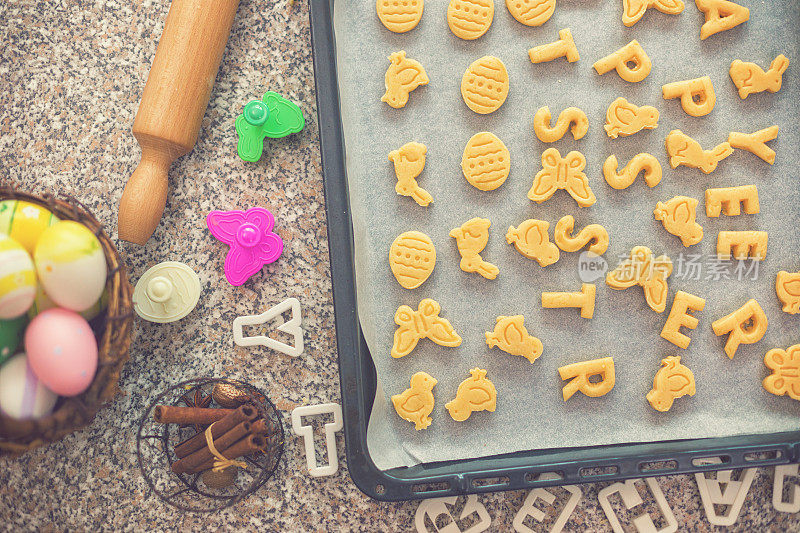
(785, 377)
(755, 143)
(640, 163)
(571, 115)
(697, 96)
(594, 235)
(511, 336)
(679, 217)
(409, 161)
(423, 323)
(486, 161)
(403, 76)
(730, 200)
(562, 173)
(563, 47)
(746, 325)
(624, 118)
(469, 19)
(476, 393)
(683, 150)
(531, 12)
(412, 257)
(672, 381)
(583, 300)
(679, 317)
(749, 78)
(643, 270)
(416, 403)
(630, 53)
(787, 286)
(400, 17)
(484, 86)
(720, 15)
(633, 10)
(742, 244)
(471, 238)
(579, 374)
(531, 240)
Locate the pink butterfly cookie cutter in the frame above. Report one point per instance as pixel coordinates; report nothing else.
(251, 239)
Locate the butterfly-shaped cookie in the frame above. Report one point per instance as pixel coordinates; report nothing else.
(423, 323)
(643, 270)
(562, 173)
(633, 10)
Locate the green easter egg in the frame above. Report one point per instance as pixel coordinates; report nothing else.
(11, 336)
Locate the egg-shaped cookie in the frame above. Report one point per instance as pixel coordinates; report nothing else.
(484, 85)
(412, 257)
(486, 161)
(531, 12)
(469, 19)
(399, 16)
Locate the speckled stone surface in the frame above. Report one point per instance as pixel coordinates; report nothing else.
(71, 73)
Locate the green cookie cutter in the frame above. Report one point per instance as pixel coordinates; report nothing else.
(273, 116)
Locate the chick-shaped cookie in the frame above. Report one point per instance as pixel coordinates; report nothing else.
(672, 381)
(511, 336)
(531, 240)
(471, 238)
(476, 393)
(787, 286)
(416, 403)
(403, 76)
(679, 216)
(409, 161)
(624, 118)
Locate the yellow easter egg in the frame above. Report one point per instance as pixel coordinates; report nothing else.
(486, 161)
(399, 16)
(71, 265)
(24, 222)
(531, 12)
(412, 257)
(469, 19)
(484, 85)
(17, 279)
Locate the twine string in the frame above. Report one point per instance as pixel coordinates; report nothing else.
(221, 462)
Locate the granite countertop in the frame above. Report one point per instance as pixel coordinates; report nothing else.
(71, 73)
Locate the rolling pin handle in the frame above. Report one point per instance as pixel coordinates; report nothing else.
(145, 196)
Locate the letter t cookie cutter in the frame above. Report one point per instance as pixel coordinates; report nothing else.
(307, 432)
(292, 327)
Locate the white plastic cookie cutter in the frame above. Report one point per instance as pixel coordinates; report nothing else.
(292, 327)
(529, 508)
(630, 497)
(711, 493)
(436, 507)
(167, 292)
(307, 432)
(781, 473)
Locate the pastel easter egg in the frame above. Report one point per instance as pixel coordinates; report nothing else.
(412, 257)
(486, 161)
(484, 85)
(62, 351)
(71, 265)
(469, 19)
(17, 279)
(22, 395)
(10, 336)
(400, 16)
(42, 302)
(24, 222)
(531, 12)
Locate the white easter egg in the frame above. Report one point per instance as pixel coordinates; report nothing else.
(71, 265)
(22, 395)
(17, 279)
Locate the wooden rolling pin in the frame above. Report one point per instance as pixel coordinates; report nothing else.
(173, 104)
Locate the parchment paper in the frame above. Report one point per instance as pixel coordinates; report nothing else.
(530, 412)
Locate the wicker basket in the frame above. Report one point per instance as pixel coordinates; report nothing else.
(112, 328)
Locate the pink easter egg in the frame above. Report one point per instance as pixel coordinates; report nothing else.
(62, 351)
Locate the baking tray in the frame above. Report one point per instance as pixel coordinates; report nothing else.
(520, 470)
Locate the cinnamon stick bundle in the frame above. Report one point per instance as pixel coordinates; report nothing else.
(245, 446)
(260, 427)
(174, 414)
(203, 455)
(244, 413)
